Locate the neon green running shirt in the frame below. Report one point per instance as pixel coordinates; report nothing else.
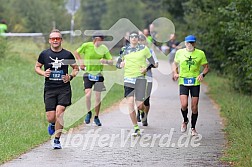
(189, 64)
(135, 59)
(92, 56)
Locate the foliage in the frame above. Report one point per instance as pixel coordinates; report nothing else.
(224, 31)
(131, 9)
(92, 14)
(237, 110)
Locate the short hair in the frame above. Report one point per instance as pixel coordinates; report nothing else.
(98, 34)
(142, 37)
(55, 30)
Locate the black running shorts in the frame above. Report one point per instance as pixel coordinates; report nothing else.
(57, 96)
(138, 89)
(98, 85)
(194, 90)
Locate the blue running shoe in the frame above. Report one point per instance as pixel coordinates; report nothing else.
(88, 117)
(97, 122)
(51, 128)
(56, 144)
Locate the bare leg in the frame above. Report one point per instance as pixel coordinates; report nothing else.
(59, 120)
(88, 93)
(97, 103)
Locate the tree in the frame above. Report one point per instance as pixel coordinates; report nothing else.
(131, 9)
(92, 12)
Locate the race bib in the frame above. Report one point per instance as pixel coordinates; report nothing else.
(130, 80)
(56, 75)
(93, 77)
(189, 81)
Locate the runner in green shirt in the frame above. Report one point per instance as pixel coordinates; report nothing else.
(133, 60)
(3, 27)
(95, 56)
(186, 68)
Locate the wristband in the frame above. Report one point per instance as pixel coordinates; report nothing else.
(70, 77)
(203, 74)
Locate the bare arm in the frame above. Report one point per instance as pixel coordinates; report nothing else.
(79, 60)
(204, 72)
(175, 71)
(41, 72)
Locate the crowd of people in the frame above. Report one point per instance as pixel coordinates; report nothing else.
(137, 58)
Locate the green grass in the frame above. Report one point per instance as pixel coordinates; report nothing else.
(236, 108)
(22, 115)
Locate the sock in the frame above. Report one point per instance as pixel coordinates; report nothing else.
(136, 126)
(194, 120)
(184, 114)
(89, 112)
(95, 117)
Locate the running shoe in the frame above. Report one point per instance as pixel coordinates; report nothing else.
(136, 133)
(138, 116)
(97, 122)
(184, 127)
(56, 144)
(51, 128)
(88, 117)
(194, 132)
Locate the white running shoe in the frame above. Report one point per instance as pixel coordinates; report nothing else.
(194, 132)
(184, 127)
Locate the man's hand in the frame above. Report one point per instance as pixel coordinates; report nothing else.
(47, 73)
(200, 77)
(103, 61)
(66, 78)
(143, 70)
(82, 67)
(175, 76)
(122, 64)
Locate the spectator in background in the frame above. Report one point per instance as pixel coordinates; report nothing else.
(3, 27)
(173, 45)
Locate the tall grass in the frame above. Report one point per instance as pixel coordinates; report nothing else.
(237, 110)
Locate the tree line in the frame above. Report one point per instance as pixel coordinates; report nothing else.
(223, 28)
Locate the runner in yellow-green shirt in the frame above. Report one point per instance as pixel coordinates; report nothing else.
(133, 60)
(187, 69)
(95, 56)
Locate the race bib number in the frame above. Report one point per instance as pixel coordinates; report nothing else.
(130, 80)
(189, 81)
(93, 77)
(56, 75)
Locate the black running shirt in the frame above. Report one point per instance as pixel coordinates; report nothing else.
(58, 63)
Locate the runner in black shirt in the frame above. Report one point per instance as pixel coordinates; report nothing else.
(57, 90)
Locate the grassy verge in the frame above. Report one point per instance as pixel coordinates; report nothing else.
(237, 110)
(22, 114)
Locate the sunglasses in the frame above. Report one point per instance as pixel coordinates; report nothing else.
(134, 36)
(55, 38)
(191, 42)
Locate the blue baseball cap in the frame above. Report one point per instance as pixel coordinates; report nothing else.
(190, 38)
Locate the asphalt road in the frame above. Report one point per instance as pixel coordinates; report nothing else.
(161, 144)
